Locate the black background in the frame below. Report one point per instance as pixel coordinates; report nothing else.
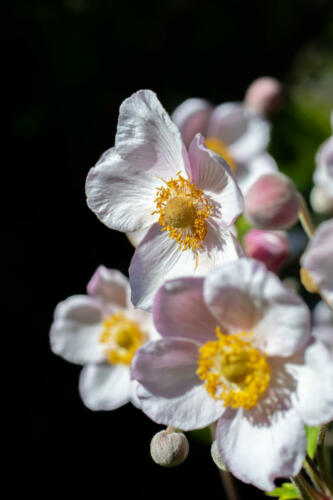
(67, 65)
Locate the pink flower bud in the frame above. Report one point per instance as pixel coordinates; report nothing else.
(264, 95)
(272, 202)
(270, 247)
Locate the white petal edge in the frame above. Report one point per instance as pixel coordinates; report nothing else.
(105, 386)
(75, 331)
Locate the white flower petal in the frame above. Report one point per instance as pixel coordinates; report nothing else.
(105, 386)
(317, 259)
(159, 258)
(121, 195)
(137, 236)
(110, 286)
(257, 448)
(76, 329)
(179, 311)
(147, 138)
(313, 398)
(244, 295)
(245, 133)
(210, 173)
(170, 391)
(191, 117)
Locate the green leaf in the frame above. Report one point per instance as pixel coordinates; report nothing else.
(284, 492)
(311, 440)
(242, 226)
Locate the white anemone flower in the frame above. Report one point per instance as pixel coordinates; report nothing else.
(185, 201)
(102, 331)
(233, 131)
(236, 348)
(322, 193)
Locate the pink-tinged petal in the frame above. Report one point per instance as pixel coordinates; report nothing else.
(317, 259)
(121, 195)
(147, 138)
(170, 391)
(248, 173)
(210, 173)
(244, 295)
(191, 117)
(313, 398)
(134, 398)
(245, 133)
(179, 311)
(159, 258)
(323, 175)
(110, 286)
(76, 329)
(257, 448)
(105, 386)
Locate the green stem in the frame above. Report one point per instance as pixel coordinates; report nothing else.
(322, 460)
(311, 470)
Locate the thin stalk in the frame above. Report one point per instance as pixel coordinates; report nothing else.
(321, 458)
(311, 470)
(304, 217)
(226, 477)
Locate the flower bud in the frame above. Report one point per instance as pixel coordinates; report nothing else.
(169, 448)
(272, 202)
(320, 201)
(264, 95)
(218, 460)
(270, 247)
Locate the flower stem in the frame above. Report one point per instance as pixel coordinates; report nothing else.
(306, 491)
(321, 458)
(304, 217)
(311, 470)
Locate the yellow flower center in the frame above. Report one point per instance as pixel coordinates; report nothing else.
(221, 149)
(183, 210)
(234, 371)
(307, 281)
(121, 337)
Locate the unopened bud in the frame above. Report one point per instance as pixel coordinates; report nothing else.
(218, 460)
(320, 201)
(264, 95)
(272, 202)
(169, 448)
(270, 247)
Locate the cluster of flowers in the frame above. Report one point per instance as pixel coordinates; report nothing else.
(204, 332)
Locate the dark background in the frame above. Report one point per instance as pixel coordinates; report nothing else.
(67, 66)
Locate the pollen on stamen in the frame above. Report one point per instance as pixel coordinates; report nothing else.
(234, 371)
(183, 210)
(121, 337)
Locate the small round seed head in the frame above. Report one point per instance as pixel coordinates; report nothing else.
(169, 448)
(218, 460)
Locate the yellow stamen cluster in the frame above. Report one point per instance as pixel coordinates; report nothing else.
(122, 337)
(221, 149)
(183, 210)
(234, 371)
(307, 281)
